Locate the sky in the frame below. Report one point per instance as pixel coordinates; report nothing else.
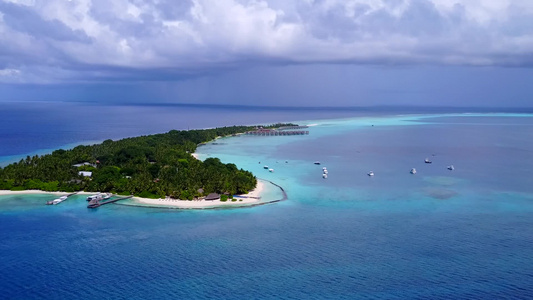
(271, 53)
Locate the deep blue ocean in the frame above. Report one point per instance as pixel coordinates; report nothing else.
(438, 234)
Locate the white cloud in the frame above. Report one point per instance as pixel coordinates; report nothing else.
(9, 75)
(9, 72)
(100, 39)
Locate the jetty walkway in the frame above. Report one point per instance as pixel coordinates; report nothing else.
(270, 132)
(60, 199)
(98, 203)
(293, 127)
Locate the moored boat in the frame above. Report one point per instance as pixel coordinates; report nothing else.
(93, 203)
(265, 167)
(451, 168)
(371, 173)
(427, 161)
(317, 162)
(413, 171)
(100, 196)
(57, 201)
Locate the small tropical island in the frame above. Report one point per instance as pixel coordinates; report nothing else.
(159, 166)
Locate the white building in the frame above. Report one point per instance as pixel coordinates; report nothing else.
(85, 173)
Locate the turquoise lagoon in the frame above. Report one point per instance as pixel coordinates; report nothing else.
(439, 234)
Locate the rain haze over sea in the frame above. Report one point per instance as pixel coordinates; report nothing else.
(438, 234)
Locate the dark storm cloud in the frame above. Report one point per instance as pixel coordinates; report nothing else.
(26, 20)
(134, 41)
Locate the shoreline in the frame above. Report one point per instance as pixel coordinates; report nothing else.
(29, 192)
(253, 198)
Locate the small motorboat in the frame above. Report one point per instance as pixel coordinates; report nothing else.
(265, 167)
(427, 161)
(317, 162)
(451, 168)
(371, 173)
(271, 170)
(57, 201)
(325, 171)
(413, 171)
(324, 175)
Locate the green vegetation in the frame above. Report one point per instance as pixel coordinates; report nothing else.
(148, 166)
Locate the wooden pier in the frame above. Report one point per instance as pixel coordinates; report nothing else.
(267, 132)
(98, 203)
(52, 201)
(293, 127)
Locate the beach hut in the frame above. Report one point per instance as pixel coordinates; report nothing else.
(212, 197)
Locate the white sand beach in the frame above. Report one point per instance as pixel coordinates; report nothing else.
(253, 197)
(26, 192)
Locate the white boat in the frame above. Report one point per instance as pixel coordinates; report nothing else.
(325, 171)
(427, 161)
(324, 168)
(265, 167)
(371, 173)
(324, 175)
(95, 197)
(271, 170)
(99, 196)
(59, 200)
(413, 171)
(451, 168)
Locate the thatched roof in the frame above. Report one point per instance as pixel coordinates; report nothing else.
(212, 196)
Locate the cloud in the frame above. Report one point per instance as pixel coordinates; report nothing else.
(100, 40)
(9, 72)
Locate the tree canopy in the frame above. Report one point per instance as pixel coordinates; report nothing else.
(149, 166)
